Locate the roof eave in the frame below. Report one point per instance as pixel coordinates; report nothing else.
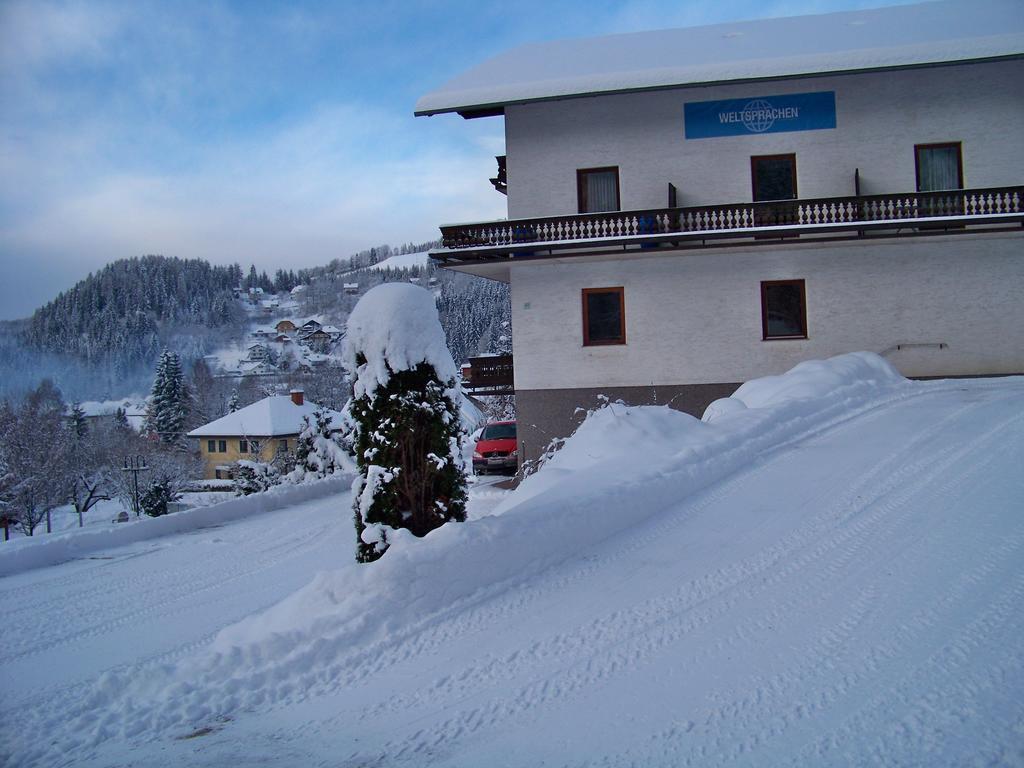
(488, 109)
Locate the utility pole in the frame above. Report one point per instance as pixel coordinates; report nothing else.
(134, 464)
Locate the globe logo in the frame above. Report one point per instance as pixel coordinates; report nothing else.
(758, 116)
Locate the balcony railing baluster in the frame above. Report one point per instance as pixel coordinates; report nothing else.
(737, 217)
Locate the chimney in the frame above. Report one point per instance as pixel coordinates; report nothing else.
(297, 396)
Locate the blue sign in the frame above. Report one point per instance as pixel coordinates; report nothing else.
(760, 114)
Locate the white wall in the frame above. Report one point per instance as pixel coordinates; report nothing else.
(879, 118)
(695, 317)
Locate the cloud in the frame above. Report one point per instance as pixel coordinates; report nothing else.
(34, 34)
(325, 186)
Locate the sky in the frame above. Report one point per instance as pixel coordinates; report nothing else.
(279, 134)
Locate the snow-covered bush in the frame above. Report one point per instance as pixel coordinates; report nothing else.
(154, 500)
(407, 434)
(318, 453)
(254, 477)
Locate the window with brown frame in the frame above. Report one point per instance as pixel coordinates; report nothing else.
(604, 316)
(938, 167)
(598, 189)
(783, 309)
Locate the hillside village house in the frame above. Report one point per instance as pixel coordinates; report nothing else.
(692, 208)
(257, 432)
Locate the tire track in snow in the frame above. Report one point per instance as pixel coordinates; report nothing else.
(693, 592)
(772, 701)
(427, 636)
(552, 689)
(175, 587)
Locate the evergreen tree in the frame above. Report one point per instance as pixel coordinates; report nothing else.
(233, 401)
(169, 400)
(254, 477)
(121, 421)
(317, 452)
(406, 429)
(77, 421)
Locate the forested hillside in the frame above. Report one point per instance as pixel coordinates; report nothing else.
(123, 315)
(101, 339)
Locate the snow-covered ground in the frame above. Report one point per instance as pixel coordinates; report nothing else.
(403, 261)
(827, 581)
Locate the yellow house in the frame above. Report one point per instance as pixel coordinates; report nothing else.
(257, 432)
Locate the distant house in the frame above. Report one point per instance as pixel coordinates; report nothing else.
(318, 339)
(351, 288)
(309, 326)
(285, 326)
(258, 352)
(257, 432)
(256, 368)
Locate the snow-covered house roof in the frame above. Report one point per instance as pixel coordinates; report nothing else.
(851, 41)
(270, 417)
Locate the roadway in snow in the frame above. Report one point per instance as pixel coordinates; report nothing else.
(854, 598)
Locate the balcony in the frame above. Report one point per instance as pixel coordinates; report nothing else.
(830, 218)
(488, 375)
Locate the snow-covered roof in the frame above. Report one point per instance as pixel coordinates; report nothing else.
(270, 417)
(882, 38)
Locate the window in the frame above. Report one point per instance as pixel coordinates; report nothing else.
(604, 316)
(499, 432)
(938, 167)
(222, 446)
(282, 446)
(254, 446)
(243, 446)
(211, 446)
(773, 177)
(783, 309)
(598, 189)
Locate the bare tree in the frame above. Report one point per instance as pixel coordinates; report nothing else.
(35, 450)
(87, 481)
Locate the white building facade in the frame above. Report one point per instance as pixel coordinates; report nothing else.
(834, 183)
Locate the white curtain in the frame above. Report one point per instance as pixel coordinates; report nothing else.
(601, 192)
(938, 168)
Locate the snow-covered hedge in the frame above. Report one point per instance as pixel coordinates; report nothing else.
(24, 554)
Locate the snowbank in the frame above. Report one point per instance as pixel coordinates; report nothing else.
(38, 551)
(396, 326)
(623, 466)
(808, 380)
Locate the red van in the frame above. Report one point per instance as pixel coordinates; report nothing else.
(496, 449)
